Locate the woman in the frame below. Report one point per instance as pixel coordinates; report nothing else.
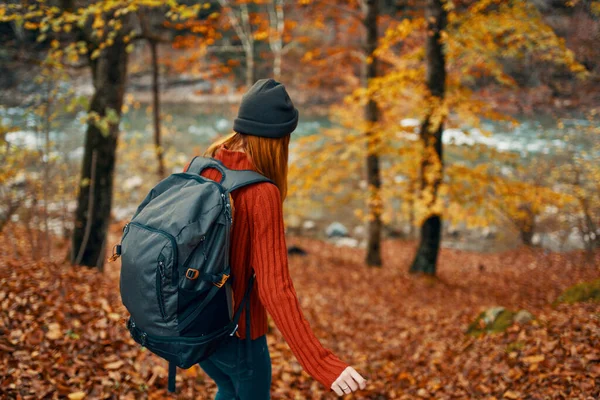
(265, 121)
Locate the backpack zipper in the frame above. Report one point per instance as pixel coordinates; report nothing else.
(185, 339)
(159, 294)
(227, 208)
(228, 233)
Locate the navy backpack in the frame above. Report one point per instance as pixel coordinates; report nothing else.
(175, 274)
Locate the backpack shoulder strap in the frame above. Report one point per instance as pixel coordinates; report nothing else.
(230, 179)
(199, 164)
(237, 179)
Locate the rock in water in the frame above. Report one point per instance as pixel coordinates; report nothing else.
(309, 225)
(346, 242)
(359, 231)
(523, 317)
(133, 182)
(336, 229)
(296, 251)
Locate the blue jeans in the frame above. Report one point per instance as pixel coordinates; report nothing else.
(235, 378)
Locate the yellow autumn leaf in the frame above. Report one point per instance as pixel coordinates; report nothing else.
(114, 365)
(191, 372)
(76, 395)
(54, 331)
(261, 35)
(114, 316)
(534, 359)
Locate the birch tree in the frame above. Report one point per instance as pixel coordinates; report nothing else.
(238, 15)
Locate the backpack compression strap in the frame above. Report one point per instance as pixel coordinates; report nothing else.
(230, 179)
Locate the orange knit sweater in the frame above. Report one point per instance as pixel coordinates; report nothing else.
(258, 242)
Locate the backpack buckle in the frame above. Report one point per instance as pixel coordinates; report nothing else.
(116, 253)
(222, 282)
(192, 274)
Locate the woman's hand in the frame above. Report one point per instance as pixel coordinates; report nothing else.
(349, 381)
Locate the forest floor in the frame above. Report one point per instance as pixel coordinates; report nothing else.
(63, 335)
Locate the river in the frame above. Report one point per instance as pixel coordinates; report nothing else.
(188, 128)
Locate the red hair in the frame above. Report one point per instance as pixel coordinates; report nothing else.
(269, 156)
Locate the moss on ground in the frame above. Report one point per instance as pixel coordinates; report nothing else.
(584, 291)
(498, 325)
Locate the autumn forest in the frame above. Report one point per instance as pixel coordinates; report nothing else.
(442, 217)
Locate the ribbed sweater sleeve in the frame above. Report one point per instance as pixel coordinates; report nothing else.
(276, 290)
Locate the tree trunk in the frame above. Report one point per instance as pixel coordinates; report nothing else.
(277, 21)
(92, 217)
(589, 226)
(431, 137)
(243, 29)
(411, 208)
(247, 37)
(527, 237)
(525, 221)
(249, 65)
(156, 109)
(46, 160)
(277, 66)
(373, 257)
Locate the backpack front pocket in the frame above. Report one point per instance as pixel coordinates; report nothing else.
(145, 272)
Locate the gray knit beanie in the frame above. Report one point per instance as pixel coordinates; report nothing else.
(266, 111)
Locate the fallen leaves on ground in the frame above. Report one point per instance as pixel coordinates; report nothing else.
(63, 335)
